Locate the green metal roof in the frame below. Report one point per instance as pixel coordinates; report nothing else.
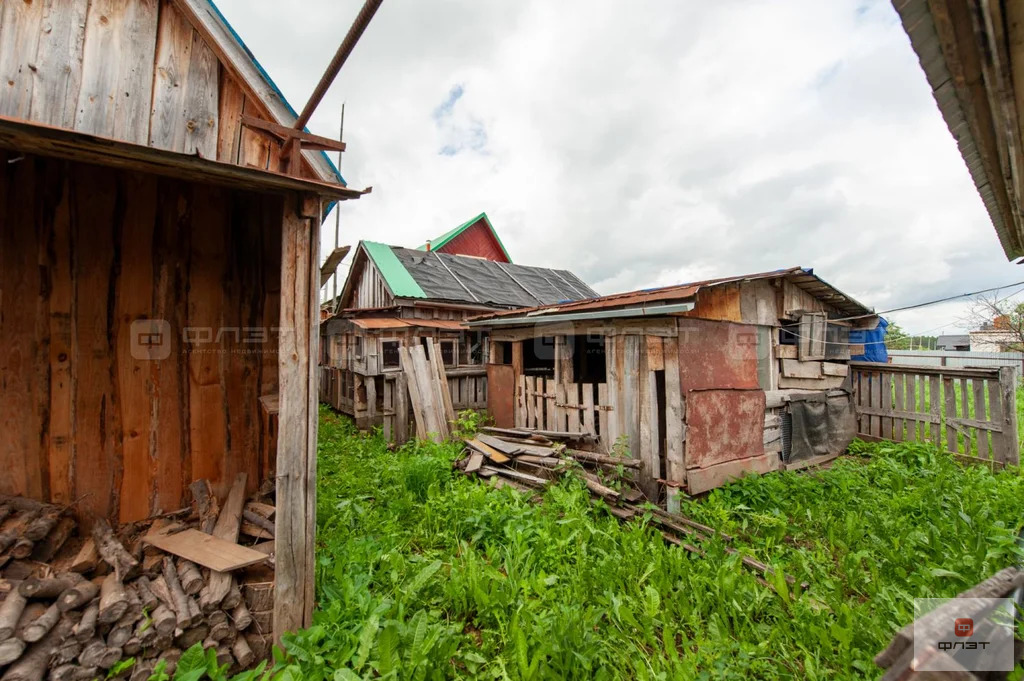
(448, 236)
(398, 279)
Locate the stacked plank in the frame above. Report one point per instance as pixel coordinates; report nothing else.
(528, 459)
(903, 660)
(73, 607)
(428, 390)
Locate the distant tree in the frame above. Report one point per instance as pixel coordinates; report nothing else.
(896, 338)
(991, 313)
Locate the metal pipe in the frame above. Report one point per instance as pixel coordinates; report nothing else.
(344, 50)
(583, 316)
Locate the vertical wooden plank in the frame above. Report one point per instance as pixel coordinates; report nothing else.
(134, 368)
(589, 421)
(389, 406)
(995, 411)
(540, 389)
(628, 401)
(910, 402)
(294, 539)
(58, 62)
(876, 401)
(898, 423)
(934, 398)
(19, 40)
(550, 412)
(312, 343)
(612, 352)
(647, 427)
(950, 399)
(563, 360)
(562, 414)
(887, 421)
(1008, 392)
(62, 392)
(115, 97)
(603, 420)
(208, 427)
(401, 399)
(415, 393)
(448, 415)
(675, 463)
(980, 414)
(201, 112)
(229, 117)
(528, 403)
(965, 411)
(371, 400)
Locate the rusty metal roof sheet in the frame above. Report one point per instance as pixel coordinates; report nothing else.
(378, 323)
(803, 278)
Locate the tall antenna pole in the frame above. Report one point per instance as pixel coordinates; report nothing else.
(337, 219)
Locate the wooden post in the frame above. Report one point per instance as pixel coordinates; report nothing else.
(296, 440)
(1008, 390)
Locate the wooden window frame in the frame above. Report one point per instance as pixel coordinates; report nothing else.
(384, 368)
(811, 341)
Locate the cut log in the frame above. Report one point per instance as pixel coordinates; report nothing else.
(87, 557)
(160, 590)
(146, 596)
(132, 647)
(74, 672)
(171, 657)
(205, 504)
(33, 664)
(241, 617)
(259, 521)
(142, 670)
(86, 627)
(96, 653)
(191, 636)
(113, 552)
(224, 657)
(206, 602)
(42, 625)
(113, 600)
(123, 630)
(179, 600)
(41, 526)
(195, 614)
(221, 629)
(11, 650)
(68, 652)
(189, 576)
(164, 620)
(227, 526)
(49, 587)
(46, 548)
(24, 504)
(234, 597)
(242, 652)
(10, 613)
(590, 457)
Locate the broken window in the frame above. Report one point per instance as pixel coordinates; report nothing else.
(359, 347)
(539, 356)
(837, 341)
(502, 352)
(811, 341)
(588, 358)
(389, 355)
(476, 346)
(448, 352)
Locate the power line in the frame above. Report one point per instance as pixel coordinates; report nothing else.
(928, 303)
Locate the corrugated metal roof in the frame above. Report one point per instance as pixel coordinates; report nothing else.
(798, 276)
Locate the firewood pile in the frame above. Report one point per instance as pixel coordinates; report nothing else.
(74, 604)
(528, 459)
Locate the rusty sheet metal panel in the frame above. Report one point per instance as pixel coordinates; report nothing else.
(718, 302)
(501, 383)
(723, 425)
(714, 355)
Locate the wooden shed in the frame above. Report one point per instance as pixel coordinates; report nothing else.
(698, 381)
(159, 273)
(397, 297)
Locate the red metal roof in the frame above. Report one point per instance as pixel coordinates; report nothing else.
(376, 323)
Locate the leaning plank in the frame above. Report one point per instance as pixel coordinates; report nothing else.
(507, 448)
(207, 550)
(228, 523)
(442, 378)
(476, 460)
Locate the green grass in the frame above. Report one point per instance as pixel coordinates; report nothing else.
(426, 574)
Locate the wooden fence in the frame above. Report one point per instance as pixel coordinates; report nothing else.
(969, 412)
(543, 404)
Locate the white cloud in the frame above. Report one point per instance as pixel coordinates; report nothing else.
(649, 143)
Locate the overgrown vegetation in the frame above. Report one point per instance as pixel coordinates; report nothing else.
(424, 574)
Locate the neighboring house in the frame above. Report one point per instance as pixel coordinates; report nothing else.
(971, 56)
(398, 296)
(158, 271)
(959, 342)
(475, 237)
(994, 340)
(702, 382)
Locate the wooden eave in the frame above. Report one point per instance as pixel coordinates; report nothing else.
(970, 52)
(21, 136)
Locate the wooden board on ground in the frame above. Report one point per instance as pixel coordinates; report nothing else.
(488, 451)
(206, 550)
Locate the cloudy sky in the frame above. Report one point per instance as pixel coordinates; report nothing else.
(649, 143)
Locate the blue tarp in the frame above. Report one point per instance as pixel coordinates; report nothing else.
(874, 342)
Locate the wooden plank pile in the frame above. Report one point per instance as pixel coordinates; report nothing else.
(73, 606)
(899, 659)
(528, 459)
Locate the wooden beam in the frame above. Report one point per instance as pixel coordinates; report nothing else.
(283, 133)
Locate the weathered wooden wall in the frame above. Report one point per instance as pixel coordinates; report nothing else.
(136, 71)
(85, 251)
